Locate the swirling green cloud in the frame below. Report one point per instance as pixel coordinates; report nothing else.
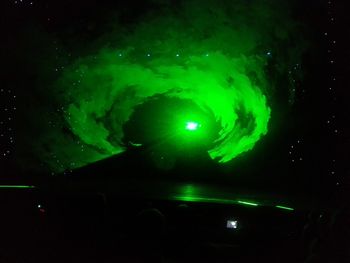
(212, 81)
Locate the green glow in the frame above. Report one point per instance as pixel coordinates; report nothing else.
(204, 200)
(212, 200)
(193, 193)
(135, 144)
(284, 207)
(191, 126)
(209, 52)
(248, 203)
(17, 186)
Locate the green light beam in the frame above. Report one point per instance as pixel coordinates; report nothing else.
(203, 199)
(247, 203)
(285, 207)
(18, 186)
(212, 200)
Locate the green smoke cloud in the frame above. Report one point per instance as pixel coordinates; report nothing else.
(214, 53)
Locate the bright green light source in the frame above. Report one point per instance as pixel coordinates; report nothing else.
(284, 207)
(192, 126)
(17, 186)
(247, 203)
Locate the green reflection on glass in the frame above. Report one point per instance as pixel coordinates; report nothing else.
(247, 203)
(284, 207)
(17, 186)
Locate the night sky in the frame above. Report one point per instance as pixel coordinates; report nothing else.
(45, 42)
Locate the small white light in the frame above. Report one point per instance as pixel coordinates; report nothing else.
(231, 224)
(192, 126)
